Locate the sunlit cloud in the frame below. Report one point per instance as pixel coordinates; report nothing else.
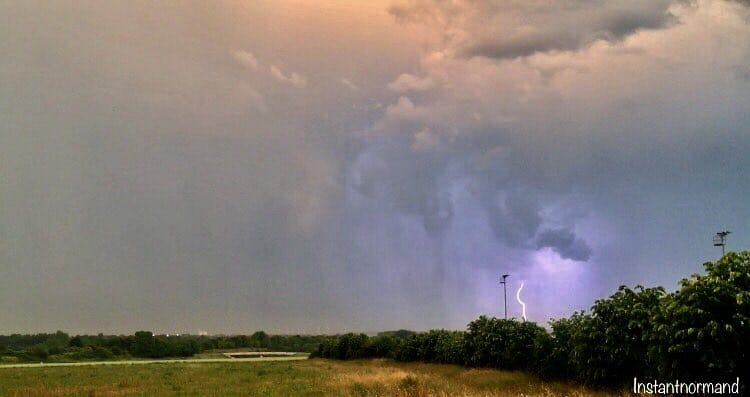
(247, 59)
(292, 78)
(407, 82)
(348, 84)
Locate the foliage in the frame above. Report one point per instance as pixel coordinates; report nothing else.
(558, 362)
(383, 346)
(399, 334)
(353, 346)
(437, 346)
(702, 331)
(60, 347)
(450, 348)
(610, 346)
(16, 342)
(499, 343)
(345, 347)
(92, 353)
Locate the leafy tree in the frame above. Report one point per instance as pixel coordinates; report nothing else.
(438, 346)
(610, 346)
(352, 346)
(383, 346)
(558, 361)
(259, 339)
(57, 341)
(450, 348)
(38, 352)
(500, 343)
(144, 344)
(93, 353)
(76, 341)
(702, 331)
(407, 349)
(399, 334)
(427, 349)
(326, 349)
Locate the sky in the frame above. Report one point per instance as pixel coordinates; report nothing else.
(331, 166)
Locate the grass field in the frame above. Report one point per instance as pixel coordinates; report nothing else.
(278, 378)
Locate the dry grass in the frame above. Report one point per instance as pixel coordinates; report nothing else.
(300, 378)
(77, 390)
(385, 378)
(366, 375)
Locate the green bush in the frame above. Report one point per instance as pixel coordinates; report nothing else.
(92, 353)
(702, 331)
(610, 346)
(556, 360)
(383, 346)
(35, 353)
(450, 348)
(499, 343)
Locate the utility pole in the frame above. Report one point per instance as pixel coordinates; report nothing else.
(720, 240)
(505, 295)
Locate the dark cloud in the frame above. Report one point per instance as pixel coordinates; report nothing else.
(156, 175)
(565, 243)
(406, 181)
(514, 218)
(503, 30)
(613, 27)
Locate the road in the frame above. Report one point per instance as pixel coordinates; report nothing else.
(136, 362)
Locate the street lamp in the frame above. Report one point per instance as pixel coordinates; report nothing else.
(505, 295)
(720, 240)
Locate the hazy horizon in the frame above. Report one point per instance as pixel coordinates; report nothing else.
(361, 166)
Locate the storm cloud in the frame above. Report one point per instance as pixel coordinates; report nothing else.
(357, 167)
(565, 243)
(510, 29)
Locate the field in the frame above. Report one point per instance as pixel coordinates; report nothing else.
(277, 378)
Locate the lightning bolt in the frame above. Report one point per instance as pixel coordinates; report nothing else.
(523, 305)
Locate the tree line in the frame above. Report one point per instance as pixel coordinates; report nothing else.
(701, 332)
(60, 346)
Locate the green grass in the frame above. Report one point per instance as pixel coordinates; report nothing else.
(299, 378)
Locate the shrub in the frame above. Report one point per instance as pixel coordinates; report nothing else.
(610, 346)
(36, 353)
(499, 343)
(383, 346)
(92, 353)
(450, 348)
(557, 359)
(702, 331)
